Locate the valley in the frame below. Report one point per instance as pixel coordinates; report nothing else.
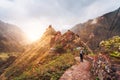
(53, 56)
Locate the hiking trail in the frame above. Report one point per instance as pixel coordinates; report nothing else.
(79, 71)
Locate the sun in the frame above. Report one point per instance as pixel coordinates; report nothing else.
(34, 34)
(33, 37)
(33, 29)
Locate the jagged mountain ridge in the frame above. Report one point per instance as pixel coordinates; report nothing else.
(38, 51)
(11, 37)
(95, 30)
(66, 42)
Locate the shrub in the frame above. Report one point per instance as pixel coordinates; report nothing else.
(111, 46)
(59, 48)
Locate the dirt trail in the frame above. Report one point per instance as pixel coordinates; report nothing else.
(80, 71)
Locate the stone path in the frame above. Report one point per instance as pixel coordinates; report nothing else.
(80, 71)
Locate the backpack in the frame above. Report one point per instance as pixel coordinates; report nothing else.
(81, 52)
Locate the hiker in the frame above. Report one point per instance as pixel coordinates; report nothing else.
(81, 55)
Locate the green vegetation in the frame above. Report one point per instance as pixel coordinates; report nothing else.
(3, 56)
(6, 59)
(51, 69)
(111, 46)
(115, 54)
(59, 48)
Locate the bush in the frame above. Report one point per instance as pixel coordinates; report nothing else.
(59, 48)
(111, 46)
(115, 54)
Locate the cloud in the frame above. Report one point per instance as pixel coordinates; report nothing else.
(54, 10)
(33, 16)
(99, 8)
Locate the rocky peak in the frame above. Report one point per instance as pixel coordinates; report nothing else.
(50, 30)
(64, 42)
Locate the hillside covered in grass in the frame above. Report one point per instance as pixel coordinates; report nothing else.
(46, 59)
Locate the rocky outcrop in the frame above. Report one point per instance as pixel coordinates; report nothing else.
(102, 69)
(66, 42)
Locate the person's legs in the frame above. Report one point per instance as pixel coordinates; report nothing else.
(81, 57)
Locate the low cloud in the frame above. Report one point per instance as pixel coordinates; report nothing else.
(36, 15)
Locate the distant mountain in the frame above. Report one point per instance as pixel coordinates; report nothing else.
(11, 37)
(101, 28)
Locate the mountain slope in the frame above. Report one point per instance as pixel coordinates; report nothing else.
(95, 30)
(39, 61)
(11, 37)
(32, 55)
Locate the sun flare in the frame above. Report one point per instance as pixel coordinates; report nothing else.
(33, 37)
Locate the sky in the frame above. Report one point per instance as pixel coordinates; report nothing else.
(34, 16)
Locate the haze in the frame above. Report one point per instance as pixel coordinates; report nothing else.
(34, 16)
